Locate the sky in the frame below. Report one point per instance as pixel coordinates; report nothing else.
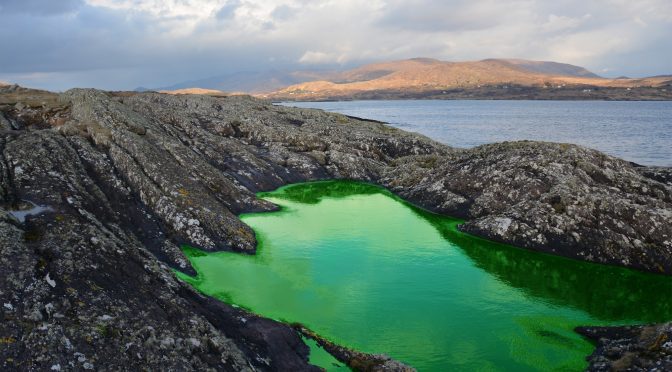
(124, 44)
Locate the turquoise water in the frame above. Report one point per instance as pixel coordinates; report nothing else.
(636, 131)
(364, 269)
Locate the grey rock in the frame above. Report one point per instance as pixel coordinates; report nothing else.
(556, 198)
(630, 348)
(660, 174)
(4, 123)
(354, 359)
(127, 178)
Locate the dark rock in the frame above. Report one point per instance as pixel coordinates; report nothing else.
(4, 123)
(630, 348)
(556, 198)
(660, 174)
(129, 177)
(354, 359)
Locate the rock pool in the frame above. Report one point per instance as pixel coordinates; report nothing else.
(369, 271)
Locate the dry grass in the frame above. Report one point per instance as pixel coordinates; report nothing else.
(31, 98)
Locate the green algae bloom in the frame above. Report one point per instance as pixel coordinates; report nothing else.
(369, 271)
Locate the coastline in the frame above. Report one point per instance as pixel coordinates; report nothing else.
(512, 92)
(143, 173)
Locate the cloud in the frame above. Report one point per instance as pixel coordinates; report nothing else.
(162, 9)
(283, 12)
(451, 15)
(39, 7)
(560, 23)
(312, 57)
(228, 11)
(121, 44)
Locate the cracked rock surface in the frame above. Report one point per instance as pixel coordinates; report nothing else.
(123, 179)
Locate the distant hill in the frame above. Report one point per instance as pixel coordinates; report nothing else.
(252, 82)
(417, 76)
(207, 92)
(550, 68)
(432, 78)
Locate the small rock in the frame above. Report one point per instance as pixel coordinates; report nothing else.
(50, 281)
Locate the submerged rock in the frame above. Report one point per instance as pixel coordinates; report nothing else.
(354, 359)
(129, 177)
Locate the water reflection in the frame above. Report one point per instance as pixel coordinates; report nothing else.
(605, 292)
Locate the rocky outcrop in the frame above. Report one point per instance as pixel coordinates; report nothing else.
(354, 359)
(556, 198)
(660, 174)
(630, 348)
(123, 179)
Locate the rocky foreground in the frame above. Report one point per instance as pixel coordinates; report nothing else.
(116, 182)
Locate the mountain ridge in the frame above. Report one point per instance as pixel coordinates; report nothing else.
(419, 77)
(259, 82)
(250, 81)
(422, 78)
(551, 67)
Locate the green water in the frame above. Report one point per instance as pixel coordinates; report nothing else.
(366, 270)
(320, 357)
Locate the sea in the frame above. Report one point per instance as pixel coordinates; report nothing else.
(637, 131)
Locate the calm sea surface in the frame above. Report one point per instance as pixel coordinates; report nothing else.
(636, 131)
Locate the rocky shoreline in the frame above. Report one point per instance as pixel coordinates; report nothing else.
(355, 360)
(125, 178)
(489, 92)
(630, 348)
